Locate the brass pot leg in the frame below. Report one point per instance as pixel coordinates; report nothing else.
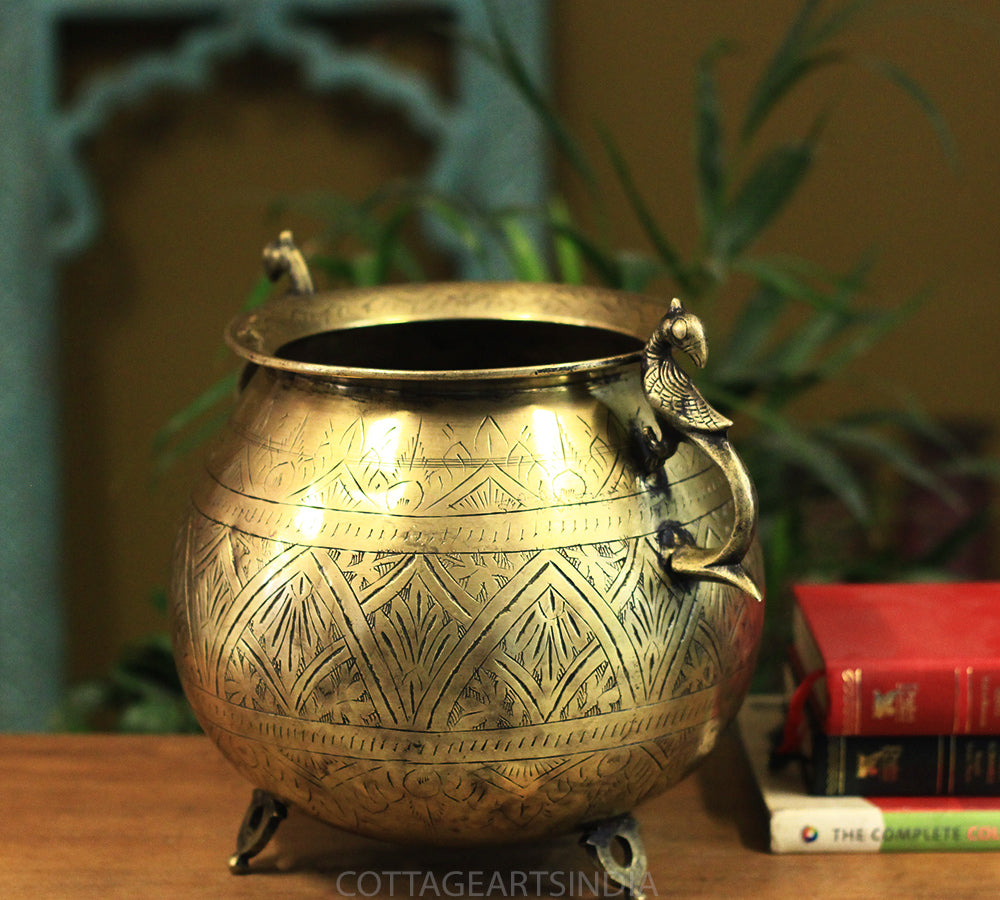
(630, 874)
(262, 819)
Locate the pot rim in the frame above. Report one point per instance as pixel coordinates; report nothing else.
(258, 335)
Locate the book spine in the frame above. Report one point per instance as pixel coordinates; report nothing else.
(876, 698)
(872, 830)
(869, 766)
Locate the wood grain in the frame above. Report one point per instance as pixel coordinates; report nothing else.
(114, 817)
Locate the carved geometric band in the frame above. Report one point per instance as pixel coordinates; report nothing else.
(534, 742)
(559, 526)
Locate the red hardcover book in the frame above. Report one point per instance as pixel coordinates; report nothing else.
(902, 659)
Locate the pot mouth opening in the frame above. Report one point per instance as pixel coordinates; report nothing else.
(463, 347)
(461, 333)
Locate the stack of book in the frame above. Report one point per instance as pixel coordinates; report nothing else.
(894, 717)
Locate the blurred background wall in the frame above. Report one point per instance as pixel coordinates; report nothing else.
(186, 181)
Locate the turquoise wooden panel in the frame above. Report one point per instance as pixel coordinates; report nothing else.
(488, 146)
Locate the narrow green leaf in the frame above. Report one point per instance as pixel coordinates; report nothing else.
(784, 443)
(762, 196)
(604, 264)
(839, 20)
(364, 270)
(797, 279)
(337, 268)
(209, 399)
(459, 221)
(822, 464)
(919, 96)
(781, 540)
(912, 419)
(893, 452)
(260, 293)
(568, 256)
(391, 251)
(766, 355)
(878, 324)
(772, 93)
(180, 447)
(710, 153)
(974, 467)
(811, 355)
(794, 354)
(814, 353)
(664, 249)
(638, 270)
(801, 52)
(841, 291)
(524, 255)
(754, 328)
(505, 57)
(158, 600)
(784, 69)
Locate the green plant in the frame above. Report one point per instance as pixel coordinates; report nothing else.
(826, 489)
(141, 693)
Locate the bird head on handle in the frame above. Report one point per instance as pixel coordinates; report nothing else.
(282, 257)
(683, 330)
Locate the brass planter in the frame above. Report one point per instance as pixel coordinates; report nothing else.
(441, 580)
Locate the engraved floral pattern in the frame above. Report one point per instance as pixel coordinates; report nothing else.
(368, 625)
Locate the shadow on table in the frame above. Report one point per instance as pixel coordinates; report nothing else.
(357, 866)
(729, 794)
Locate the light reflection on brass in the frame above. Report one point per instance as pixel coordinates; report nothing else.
(462, 605)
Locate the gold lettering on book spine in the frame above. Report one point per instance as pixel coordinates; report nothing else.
(964, 702)
(853, 698)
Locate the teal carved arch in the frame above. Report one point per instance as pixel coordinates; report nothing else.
(487, 147)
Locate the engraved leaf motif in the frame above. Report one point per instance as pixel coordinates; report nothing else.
(484, 703)
(490, 441)
(481, 574)
(547, 638)
(609, 695)
(363, 570)
(600, 564)
(352, 705)
(700, 669)
(600, 693)
(413, 631)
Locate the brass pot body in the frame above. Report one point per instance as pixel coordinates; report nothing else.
(432, 606)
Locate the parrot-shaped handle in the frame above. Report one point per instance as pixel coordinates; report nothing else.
(680, 409)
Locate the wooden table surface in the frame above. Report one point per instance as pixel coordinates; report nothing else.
(145, 817)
